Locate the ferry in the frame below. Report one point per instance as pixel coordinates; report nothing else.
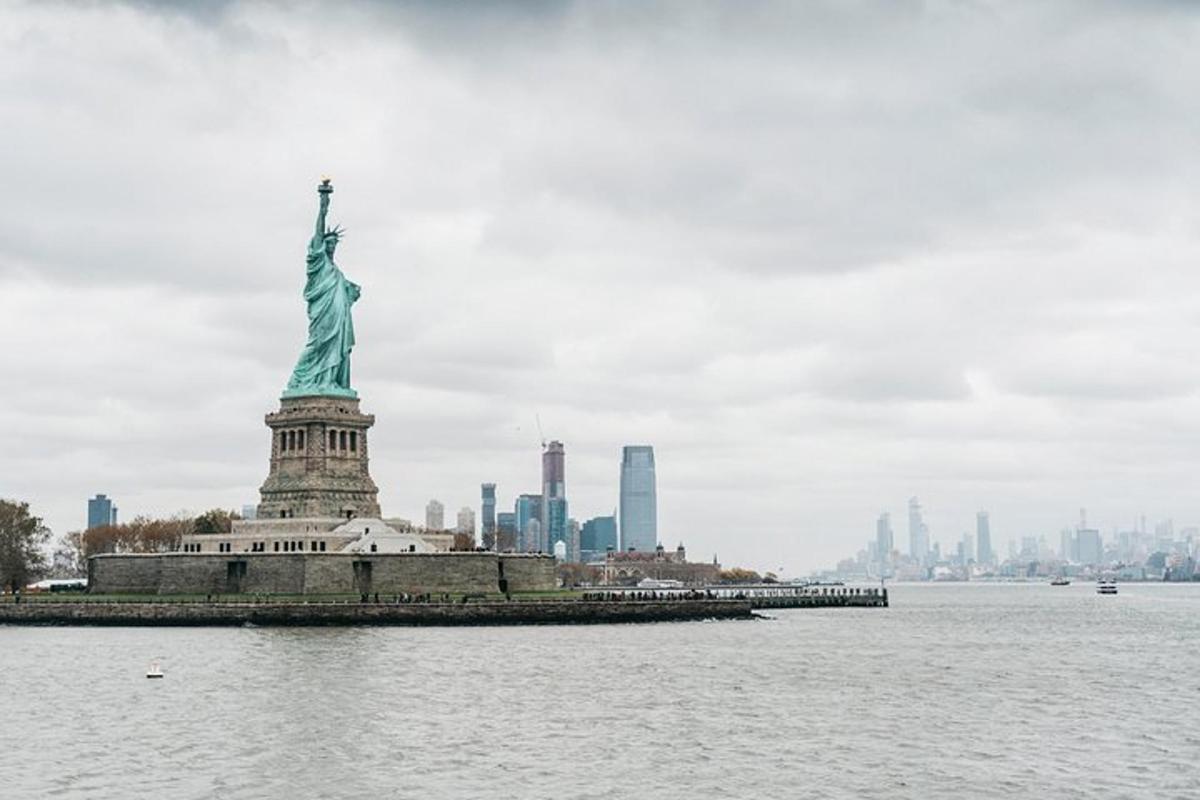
(1106, 586)
(1060, 581)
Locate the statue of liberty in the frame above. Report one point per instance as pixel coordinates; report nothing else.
(324, 366)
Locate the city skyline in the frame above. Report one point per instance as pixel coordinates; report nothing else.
(816, 260)
(1133, 552)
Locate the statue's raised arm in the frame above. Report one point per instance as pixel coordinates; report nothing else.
(323, 191)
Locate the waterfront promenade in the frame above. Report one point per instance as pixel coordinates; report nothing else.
(165, 612)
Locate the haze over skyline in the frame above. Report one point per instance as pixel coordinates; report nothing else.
(823, 257)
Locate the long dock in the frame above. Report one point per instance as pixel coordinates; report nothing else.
(766, 595)
(775, 596)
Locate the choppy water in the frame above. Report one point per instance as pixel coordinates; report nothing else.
(955, 691)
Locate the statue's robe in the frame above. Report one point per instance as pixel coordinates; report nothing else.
(325, 363)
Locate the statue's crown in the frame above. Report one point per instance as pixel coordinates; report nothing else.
(336, 232)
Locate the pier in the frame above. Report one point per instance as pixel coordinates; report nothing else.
(762, 595)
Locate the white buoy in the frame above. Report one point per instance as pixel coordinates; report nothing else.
(154, 670)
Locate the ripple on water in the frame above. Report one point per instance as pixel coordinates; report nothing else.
(955, 691)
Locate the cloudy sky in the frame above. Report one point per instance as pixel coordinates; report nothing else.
(822, 256)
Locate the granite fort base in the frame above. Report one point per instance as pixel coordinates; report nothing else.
(319, 573)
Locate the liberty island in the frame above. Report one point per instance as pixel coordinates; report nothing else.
(319, 533)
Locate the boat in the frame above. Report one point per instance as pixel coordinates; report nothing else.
(154, 670)
(1106, 586)
(1060, 581)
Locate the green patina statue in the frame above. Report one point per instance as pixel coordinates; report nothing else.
(324, 366)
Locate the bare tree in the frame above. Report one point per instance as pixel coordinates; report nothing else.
(68, 559)
(141, 535)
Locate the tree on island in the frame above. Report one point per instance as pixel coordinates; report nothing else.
(571, 575)
(141, 535)
(22, 539)
(739, 575)
(68, 560)
(215, 520)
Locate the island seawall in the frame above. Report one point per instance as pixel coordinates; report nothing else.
(548, 612)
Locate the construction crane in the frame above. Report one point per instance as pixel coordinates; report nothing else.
(541, 433)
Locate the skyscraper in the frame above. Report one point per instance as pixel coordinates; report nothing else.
(101, 511)
(966, 549)
(466, 521)
(1090, 546)
(527, 512)
(573, 534)
(1067, 550)
(435, 516)
(597, 536)
(983, 538)
(554, 495)
(506, 532)
(488, 524)
(918, 532)
(639, 499)
(554, 512)
(884, 543)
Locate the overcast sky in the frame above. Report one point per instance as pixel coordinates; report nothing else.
(822, 257)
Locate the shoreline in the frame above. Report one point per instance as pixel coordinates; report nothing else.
(317, 614)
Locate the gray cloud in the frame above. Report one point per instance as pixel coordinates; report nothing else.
(823, 256)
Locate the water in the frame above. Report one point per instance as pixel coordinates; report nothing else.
(955, 691)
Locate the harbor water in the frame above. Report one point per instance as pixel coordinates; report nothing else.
(956, 690)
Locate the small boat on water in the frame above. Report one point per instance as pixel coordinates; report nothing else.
(154, 670)
(1106, 586)
(1060, 581)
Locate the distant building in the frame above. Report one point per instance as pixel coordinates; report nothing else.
(918, 533)
(435, 516)
(554, 512)
(250, 511)
(506, 532)
(1067, 550)
(527, 512)
(101, 511)
(535, 542)
(554, 495)
(488, 523)
(631, 567)
(966, 549)
(983, 538)
(639, 499)
(884, 543)
(1029, 548)
(597, 536)
(1091, 550)
(466, 521)
(573, 534)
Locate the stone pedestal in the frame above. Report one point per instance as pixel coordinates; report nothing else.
(319, 461)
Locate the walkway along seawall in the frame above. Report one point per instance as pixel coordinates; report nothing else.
(550, 612)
